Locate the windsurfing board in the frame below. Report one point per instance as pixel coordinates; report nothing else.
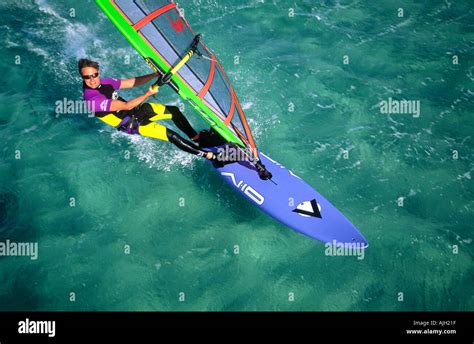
(291, 201)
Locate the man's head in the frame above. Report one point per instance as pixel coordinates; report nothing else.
(89, 71)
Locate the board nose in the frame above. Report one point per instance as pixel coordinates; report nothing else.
(360, 241)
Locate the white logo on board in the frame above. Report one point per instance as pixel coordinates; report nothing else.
(309, 209)
(251, 193)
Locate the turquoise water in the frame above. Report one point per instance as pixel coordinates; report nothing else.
(149, 222)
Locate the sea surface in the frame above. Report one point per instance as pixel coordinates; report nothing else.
(126, 223)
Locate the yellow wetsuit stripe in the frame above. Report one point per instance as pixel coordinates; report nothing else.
(152, 129)
(111, 119)
(159, 109)
(155, 130)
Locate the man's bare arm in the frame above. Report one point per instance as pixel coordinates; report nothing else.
(137, 81)
(118, 105)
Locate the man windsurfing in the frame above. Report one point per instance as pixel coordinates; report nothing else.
(136, 116)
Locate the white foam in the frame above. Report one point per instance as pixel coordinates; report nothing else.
(156, 154)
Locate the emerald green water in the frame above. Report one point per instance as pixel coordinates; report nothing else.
(182, 224)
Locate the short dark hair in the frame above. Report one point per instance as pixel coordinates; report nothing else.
(87, 63)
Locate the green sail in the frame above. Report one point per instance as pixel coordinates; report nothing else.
(156, 29)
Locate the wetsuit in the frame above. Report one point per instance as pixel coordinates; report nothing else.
(140, 119)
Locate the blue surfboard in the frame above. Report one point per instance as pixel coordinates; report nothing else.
(290, 200)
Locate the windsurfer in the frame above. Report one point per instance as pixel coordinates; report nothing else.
(136, 116)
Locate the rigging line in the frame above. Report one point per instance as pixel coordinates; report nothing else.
(207, 58)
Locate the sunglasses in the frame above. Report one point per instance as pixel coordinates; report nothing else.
(87, 77)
